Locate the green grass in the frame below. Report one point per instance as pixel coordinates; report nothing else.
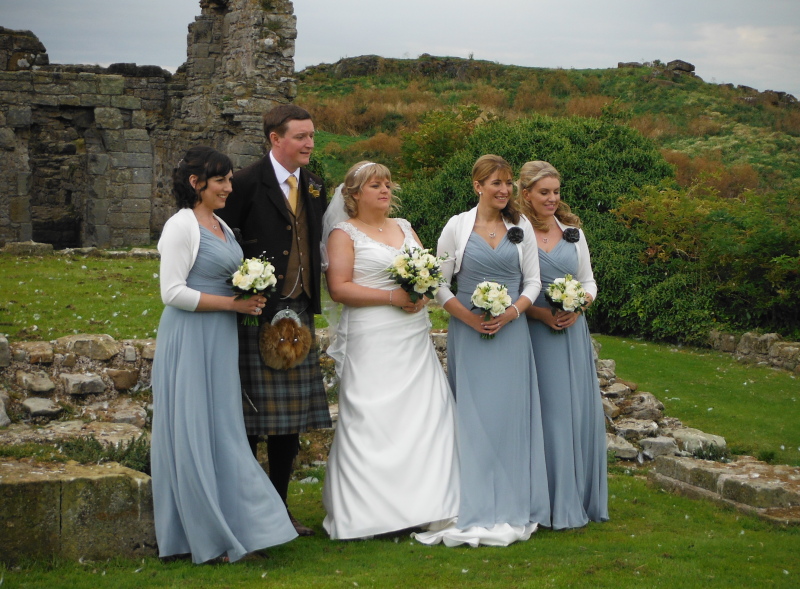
(755, 408)
(654, 539)
(44, 298)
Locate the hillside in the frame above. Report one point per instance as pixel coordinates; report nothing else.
(746, 138)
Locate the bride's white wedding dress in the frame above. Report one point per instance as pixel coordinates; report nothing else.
(393, 461)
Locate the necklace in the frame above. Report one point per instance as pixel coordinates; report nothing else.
(373, 226)
(493, 234)
(211, 222)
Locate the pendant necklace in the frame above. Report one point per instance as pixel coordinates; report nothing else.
(373, 226)
(493, 234)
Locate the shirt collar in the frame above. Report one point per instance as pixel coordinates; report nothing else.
(281, 173)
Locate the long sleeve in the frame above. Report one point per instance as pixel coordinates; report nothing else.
(585, 275)
(447, 246)
(178, 252)
(531, 278)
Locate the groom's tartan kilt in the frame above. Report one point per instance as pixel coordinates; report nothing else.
(286, 401)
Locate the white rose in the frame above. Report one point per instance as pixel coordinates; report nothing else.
(246, 282)
(254, 267)
(568, 303)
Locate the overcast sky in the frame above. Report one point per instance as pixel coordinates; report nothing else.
(750, 42)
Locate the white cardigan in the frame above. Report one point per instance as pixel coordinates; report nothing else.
(454, 239)
(584, 275)
(178, 246)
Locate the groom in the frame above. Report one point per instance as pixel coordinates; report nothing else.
(278, 206)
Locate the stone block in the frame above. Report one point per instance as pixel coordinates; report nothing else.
(126, 102)
(83, 86)
(110, 84)
(73, 511)
(39, 407)
(129, 221)
(123, 379)
(138, 119)
(785, 354)
(19, 209)
(8, 139)
(635, 429)
(69, 100)
(204, 67)
(136, 205)
(95, 100)
(83, 384)
(97, 163)
(5, 352)
(642, 406)
(19, 116)
(44, 99)
(142, 176)
(610, 410)
(751, 490)
(37, 352)
(693, 440)
(139, 147)
(658, 446)
(113, 141)
(131, 160)
(97, 211)
(108, 118)
(31, 520)
(137, 135)
(616, 391)
(37, 382)
(28, 248)
(95, 347)
(5, 421)
(621, 448)
(129, 353)
(23, 183)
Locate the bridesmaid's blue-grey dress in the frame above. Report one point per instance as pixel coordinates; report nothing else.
(572, 411)
(210, 496)
(498, 420)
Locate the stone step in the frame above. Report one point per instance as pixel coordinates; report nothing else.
(74, 511)
(769, 491)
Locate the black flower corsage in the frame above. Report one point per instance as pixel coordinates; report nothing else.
(515, 234)
(314, 188)
(572, 235)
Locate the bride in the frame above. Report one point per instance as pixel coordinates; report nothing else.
(393, 461)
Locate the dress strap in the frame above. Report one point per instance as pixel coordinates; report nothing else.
(351, 230)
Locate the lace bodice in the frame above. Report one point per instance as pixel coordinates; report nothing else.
(372, 258)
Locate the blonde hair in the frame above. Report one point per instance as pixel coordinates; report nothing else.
(484, 167)
(530, 174)
(361, 174)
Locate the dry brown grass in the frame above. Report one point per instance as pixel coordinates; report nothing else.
(487, 97)
(729, 181)
(653, 126)
(534, 100)
(703, 126)
(588, 106)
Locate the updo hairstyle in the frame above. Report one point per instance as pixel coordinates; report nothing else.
(203, 162)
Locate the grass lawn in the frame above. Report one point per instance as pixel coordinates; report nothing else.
(654, 539)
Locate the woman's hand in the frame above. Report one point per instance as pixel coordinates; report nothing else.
(402, 300)
(493, 325)
(249, 306)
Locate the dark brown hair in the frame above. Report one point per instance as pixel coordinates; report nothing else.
(278, 118)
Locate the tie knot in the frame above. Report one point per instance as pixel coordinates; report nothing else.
(292, 181)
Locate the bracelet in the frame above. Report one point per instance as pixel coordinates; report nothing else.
(516, 309)
(391, 293)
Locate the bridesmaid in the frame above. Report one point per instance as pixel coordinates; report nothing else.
(498, 422)
(572, 413)
(210, 497)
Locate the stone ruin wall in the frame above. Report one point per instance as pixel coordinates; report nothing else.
(87, 152)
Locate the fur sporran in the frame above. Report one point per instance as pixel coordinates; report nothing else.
(285, 341)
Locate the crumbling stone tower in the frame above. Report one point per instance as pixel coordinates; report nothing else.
(88, 152)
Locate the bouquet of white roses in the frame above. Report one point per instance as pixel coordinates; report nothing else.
(253, 276)
(566, 294)
(418, 272)
(493, 299)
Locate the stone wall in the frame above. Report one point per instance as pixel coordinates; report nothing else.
(766, 349)
(88, 152)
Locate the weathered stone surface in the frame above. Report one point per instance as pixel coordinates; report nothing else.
(83, 384)
(73, 511)
(680, 65)
(621, 448)
(5, 352)
(19, 116)
(36, 352)
(127, 411)
(606, 365)
(28, 248)
(642, 406)
(35, 382)
(634, 429)
(39, 407)
(692, 440)
(616, 391)
(754, 343)
(785, 354)
(129, 353)
(123, 379)
(610, 410)
(96, 347)
(106, 433)
(658, 446)
(4, 419)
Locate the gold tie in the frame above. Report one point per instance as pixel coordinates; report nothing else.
(292, 192)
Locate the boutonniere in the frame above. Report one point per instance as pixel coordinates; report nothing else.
(515, 235)
(314, 188)
(572, 235)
